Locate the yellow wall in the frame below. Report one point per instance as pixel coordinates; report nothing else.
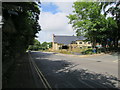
(77, 45)
(83, 43)
(55, 46)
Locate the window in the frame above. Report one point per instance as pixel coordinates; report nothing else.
(80, 42)
(65, 47)
(73, 42)
(89, 47)
(84, 42)
(88, 42)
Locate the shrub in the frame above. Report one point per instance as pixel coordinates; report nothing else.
(89, 51)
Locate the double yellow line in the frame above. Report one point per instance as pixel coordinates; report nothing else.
(41, 76)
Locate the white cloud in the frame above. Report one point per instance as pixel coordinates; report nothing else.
(59, 0)
(65, 7)
(55, 23)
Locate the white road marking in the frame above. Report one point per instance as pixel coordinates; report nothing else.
(41, 76)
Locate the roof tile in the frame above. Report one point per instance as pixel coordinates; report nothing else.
(67, 39)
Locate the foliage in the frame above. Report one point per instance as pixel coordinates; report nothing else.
(88, 51)
(88, 21)
(35, 46)
(40, 46)
(62, 51)
(115, 12)
(46, 45)
(19, 28)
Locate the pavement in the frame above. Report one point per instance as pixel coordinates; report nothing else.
(21, 75)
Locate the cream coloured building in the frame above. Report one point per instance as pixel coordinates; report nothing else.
(69, 42)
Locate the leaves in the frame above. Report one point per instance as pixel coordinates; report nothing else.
(89, 21)
(20, 26)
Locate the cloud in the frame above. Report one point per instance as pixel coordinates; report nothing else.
(55, 23)
(65, 7)
(60, 0)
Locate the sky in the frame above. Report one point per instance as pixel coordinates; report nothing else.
(53, 20)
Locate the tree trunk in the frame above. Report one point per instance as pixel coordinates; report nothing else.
(116, 44)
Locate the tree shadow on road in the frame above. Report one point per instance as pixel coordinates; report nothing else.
(62, 74)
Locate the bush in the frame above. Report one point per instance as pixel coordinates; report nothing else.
(89, 51)
(33, 47)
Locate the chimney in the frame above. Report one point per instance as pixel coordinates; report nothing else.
(53, 41)
(53, 37)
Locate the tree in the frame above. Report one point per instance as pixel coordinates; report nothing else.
(115, 12)
(44, 45)
(36, 42)
(89, 21)
(20, 26)
(35, 46)
(40, 46)
(50, 44)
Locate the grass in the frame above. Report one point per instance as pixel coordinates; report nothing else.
(77, 50)
(59, 51)
(64, 52)
(88, 51)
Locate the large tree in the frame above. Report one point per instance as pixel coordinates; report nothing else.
(20, 26)
(86, 20)
(115, 12)
(89, 21)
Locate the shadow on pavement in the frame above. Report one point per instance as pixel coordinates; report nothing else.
(60, 74)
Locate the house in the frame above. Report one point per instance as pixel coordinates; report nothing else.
(69, 42)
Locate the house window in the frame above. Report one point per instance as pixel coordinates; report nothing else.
(73, 42)
(89, 47)
(65, 47)
(84, 42)
(80, 47)
(80, 42)
(88, 42)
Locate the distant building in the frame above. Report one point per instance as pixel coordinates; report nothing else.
(70, 42)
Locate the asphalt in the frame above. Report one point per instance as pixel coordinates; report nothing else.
(63, 71)
(68, 71)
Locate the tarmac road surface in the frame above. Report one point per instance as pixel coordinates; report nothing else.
(67, 71)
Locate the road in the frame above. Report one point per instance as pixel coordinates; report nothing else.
(67, 71)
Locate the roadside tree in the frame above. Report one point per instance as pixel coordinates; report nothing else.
(20, 26)
(90, 19)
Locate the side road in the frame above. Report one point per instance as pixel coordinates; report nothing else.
(21, 75)
(88, 55)
(81, 55)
